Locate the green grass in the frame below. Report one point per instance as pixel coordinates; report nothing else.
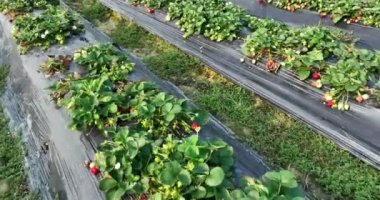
(96, 13)
(4, 71)
(325, 170)
(13, 184)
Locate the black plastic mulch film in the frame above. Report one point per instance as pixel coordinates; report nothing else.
(356, 130)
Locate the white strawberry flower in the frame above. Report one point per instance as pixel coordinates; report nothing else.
(76, 55)
(117, 166)
(365, 96)
(346, 107)
(92, 165)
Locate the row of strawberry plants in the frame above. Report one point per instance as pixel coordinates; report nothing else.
(53, 25)
(328, 55)
(352, 11)
(104, 99)
(148, 153)
(22, 6)
(168, 168)
(215, 19)
(152, 4)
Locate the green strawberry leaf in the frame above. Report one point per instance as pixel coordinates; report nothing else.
(185, 177)
(303, 73)
(215, 177)
(107, 184)
(115, 194)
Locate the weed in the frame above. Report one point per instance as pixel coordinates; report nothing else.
(12, 173)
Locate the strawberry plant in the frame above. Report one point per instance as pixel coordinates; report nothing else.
(345, 77)
(54, 25)
(215, 19)
(104, 59)
(154, 110)
(271, 25)
(317, 38)
(264, 38)
(55, 64)
(153, 3)
(305, 64)
(350, 75)
(274, 185)
(135, 164)
(370, 14)
(91, 102)
(60, 89)
(273, 38)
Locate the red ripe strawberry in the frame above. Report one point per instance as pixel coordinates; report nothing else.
(359, 99)
(143, 197)
(260, 1)
(316, 76)
(134, 4)
(150, 10)
(272, 66)
(329, 103)
(94, 171)
(195, 126)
